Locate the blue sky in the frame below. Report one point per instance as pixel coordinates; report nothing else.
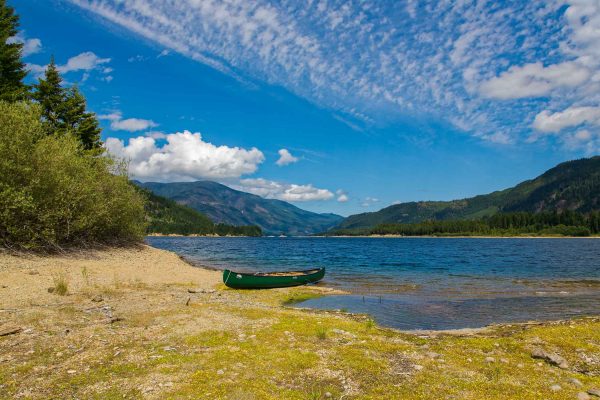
(336, 106)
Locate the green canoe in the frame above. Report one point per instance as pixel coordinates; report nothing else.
(265, 280)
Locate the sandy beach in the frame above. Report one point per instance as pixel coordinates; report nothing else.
(142, 323)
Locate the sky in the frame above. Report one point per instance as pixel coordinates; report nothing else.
(335, 106)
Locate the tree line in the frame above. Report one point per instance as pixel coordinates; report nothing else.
(565, 223)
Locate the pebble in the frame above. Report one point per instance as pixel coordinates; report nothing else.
(97, 299)
(550, 358)
(555, 388)
(490, 359)
(431, 354)
(594, 392)
(504, 360)
(327, 394)
(418, 367)
(220, 372)
(50, 290)
(583, 396)
(520, 365)
(575, 382)
(71, 371)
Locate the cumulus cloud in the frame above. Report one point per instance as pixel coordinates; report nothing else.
(548, 122)
(184, 157)
(369, 201)
(84, 62)
(30, 45)
(342, 196)
(117, 122)
(285, 158)
(283, 191)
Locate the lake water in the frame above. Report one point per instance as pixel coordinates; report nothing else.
(425, 283)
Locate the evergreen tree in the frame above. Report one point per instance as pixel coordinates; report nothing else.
(84, 125)
(51, 96)
(64, 110)
(12, 69)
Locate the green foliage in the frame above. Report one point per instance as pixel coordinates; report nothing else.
(165, 216)
(12, 69)
(64, 110)
(566, 223)
(53, 195)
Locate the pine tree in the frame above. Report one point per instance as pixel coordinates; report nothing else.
(84, 125)
(12, 69)
(51, 96)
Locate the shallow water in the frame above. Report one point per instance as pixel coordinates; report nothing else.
(425, 283)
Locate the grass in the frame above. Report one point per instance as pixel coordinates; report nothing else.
(61, 284)
(252, 348)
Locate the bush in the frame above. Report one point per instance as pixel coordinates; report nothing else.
(54, 194)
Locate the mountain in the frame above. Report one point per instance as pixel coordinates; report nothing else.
(225, 205)
(165, 216)
(572, 185)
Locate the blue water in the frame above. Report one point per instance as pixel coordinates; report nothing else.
(425, 283)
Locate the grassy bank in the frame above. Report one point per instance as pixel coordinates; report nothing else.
(141, 323)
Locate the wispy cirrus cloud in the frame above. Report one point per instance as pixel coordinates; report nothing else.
(488, 68)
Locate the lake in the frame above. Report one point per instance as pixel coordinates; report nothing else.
(425, 283)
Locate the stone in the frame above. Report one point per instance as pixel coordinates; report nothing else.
(10, 330)
(50, 290)
(504, 360)
(418, 367)
(583, 396)
(97, 299)
(220, 372)
(550, 358)
(71, 372)
(431, 354)
(555, 388)
(575, 381)
(192, 290)
(490, 359)
(328, 395)
(594, 392)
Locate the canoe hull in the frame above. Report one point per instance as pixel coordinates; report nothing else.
(239, 280)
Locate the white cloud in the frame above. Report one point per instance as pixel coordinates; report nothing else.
(548, 122)
(283, 191)
(342, 196)
(86, 61)
(130, 124)
(534, 80)
(185, 157)
(285, 158)
(30, 46)
(369, 201)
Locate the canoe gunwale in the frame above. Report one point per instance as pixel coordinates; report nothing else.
(240, 280)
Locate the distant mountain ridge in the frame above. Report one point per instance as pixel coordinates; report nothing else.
(225, 205)
(572, 185)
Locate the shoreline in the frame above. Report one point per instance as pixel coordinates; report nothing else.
(143, 323)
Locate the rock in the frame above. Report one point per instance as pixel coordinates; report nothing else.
(550, 358)
(192, 290)
(490, 359)
(50, 290)
(328, 395)
(220, 372)
(431, 354)
(9, 330)
(575, 381)
(504, 360)
(583, 396)
(418, 367)
(97, 299)
(520, 365)
(555, 388)
(594, 392)
(71, 372)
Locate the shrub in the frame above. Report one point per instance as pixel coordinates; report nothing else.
(54, 194)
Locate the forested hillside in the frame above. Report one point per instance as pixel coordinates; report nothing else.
(572, 185)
